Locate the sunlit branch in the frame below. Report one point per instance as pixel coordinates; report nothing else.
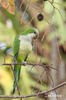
(36, 94)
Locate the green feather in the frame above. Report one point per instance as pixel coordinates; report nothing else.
(16, 45)
(17, 68)
(27, 31)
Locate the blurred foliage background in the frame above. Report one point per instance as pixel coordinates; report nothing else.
(50, 46)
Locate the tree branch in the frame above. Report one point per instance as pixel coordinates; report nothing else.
(30, 64)
(36, 94)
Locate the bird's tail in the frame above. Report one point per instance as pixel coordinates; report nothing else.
(17, 69)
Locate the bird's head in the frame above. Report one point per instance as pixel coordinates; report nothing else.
(29, 34)
(36, 32)
(26, 38)
(30, 31)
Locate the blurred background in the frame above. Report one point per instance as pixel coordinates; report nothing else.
(49, 17)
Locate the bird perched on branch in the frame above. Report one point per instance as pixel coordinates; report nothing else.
(22, 46)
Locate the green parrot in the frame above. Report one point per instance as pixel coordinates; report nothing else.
(22, 46)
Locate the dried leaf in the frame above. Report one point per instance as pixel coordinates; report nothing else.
(9, 5)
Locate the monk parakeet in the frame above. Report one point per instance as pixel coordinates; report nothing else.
(21, 48)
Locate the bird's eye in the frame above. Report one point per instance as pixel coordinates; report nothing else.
(34, 32)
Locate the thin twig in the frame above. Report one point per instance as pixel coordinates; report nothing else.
(30, 64)
(36, 94)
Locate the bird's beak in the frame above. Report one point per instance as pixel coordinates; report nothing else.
(36, 36)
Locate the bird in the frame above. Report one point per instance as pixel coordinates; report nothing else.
(22, 46)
